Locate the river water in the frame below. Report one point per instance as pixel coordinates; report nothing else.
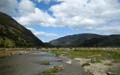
(29, 64)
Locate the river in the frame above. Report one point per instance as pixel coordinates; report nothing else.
(29, 64)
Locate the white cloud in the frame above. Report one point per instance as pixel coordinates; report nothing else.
(9, 7)
(37, 18)
(69, 13)
(111, 29)
(81, 12)
(44, 36)
(41, 33)
(26, 7)
(87, 14)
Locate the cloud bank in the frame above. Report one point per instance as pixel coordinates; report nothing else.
(75, 13)
(88, 14)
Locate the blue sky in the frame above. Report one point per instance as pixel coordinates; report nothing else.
(50, 19)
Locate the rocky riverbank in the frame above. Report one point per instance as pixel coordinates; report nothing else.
(99, 68)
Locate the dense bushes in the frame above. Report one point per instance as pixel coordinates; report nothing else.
(5, 42)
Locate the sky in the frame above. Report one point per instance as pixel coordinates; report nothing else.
(50, 19)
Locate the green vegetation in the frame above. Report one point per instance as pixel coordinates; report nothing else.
(6, 43)
(2, 57)
(94, 55)
(95, 60)
(52, 71)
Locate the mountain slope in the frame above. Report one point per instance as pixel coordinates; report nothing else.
(105, 41)
(87, 40)
(73, 40)
(12, 34)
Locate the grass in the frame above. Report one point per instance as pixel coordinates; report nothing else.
(94, 55)
(94, 60)
(52, 71)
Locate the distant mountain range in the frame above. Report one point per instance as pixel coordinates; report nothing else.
(12, 34)
(87, 40)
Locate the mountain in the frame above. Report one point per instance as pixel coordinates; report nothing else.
(105, 41)
(13, 34)
(87, 40)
